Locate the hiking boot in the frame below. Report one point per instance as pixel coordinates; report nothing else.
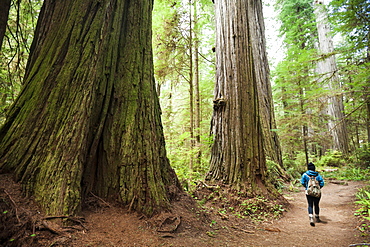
(317, 219)
(312, 222)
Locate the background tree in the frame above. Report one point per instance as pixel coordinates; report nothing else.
(328, 74)
(88, 117)
(350, 19)
(19, 22)
(238, 156)
(184, 67)
(293, 77)
(4, 7)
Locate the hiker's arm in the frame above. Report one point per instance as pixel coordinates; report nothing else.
(303, 180)
(321, 181)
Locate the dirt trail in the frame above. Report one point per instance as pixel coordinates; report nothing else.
(337, 212)
(338, 229)
(107, 225)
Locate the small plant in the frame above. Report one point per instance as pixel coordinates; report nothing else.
(363, 199)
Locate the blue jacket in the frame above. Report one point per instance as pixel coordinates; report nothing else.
(305, 178)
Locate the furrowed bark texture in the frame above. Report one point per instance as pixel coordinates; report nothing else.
(271, 141)
(238, 156)
(88, 118)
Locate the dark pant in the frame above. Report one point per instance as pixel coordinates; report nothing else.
(313, 202)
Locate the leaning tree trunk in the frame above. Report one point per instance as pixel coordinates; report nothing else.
(327, 69)
(88, 118)
(238, 157)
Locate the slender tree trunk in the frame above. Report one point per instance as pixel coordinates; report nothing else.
(4, 14)
(328, 74)
(196, 87)
(191, 86)
(238, 156)
(88, 118)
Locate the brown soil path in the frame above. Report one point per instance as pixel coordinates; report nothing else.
(106, 225)
(337, 212)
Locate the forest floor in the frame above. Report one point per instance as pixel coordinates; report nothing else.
(104, 224)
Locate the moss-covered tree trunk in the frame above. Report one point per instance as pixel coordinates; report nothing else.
(88, 118)
(238, 156)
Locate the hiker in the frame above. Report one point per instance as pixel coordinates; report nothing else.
(313, 201)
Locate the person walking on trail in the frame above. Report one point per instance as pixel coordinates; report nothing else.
(313, 199)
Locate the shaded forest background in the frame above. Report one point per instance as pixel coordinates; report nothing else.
(184, 53)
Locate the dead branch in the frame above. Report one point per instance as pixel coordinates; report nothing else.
(15, 206)
(132, 202)
(74, 219)
(50, 228)
(243, 230)
(100, 199)
(170, 224)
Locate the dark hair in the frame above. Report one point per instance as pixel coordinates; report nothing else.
(311, 166)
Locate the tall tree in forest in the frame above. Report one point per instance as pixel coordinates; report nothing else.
(294, 73)
(328, 76)
(4, 13)
(271, 140)
(238, 157)
(351, 19)
(88, 117)
(183, 41)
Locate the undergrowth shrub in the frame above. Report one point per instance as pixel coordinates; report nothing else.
(349, 172)
(362, 156)
(363, 200)
(332, 159)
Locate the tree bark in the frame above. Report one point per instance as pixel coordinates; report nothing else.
(88, 118)
(327, 69)
(4, 14)
(271, 141)
(238, 157)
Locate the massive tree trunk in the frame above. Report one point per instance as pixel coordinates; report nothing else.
(327, 70)
(4, 13)
(88, 118)
(271, 141)
(238, 156)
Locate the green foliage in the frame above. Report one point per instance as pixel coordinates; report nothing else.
(14, 52)
(332, 159)
(173, 48)
(298, 23)
(362, 155)
(259, 209)
(363, 200)
(274, 175)
(349, 172)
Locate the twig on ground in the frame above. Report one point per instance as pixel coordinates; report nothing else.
(100, 199)
(74, 219)
(15, 206)
(243, 230)
(132, 202)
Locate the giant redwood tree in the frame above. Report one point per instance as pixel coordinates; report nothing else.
(88, 117)
(238, 156)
